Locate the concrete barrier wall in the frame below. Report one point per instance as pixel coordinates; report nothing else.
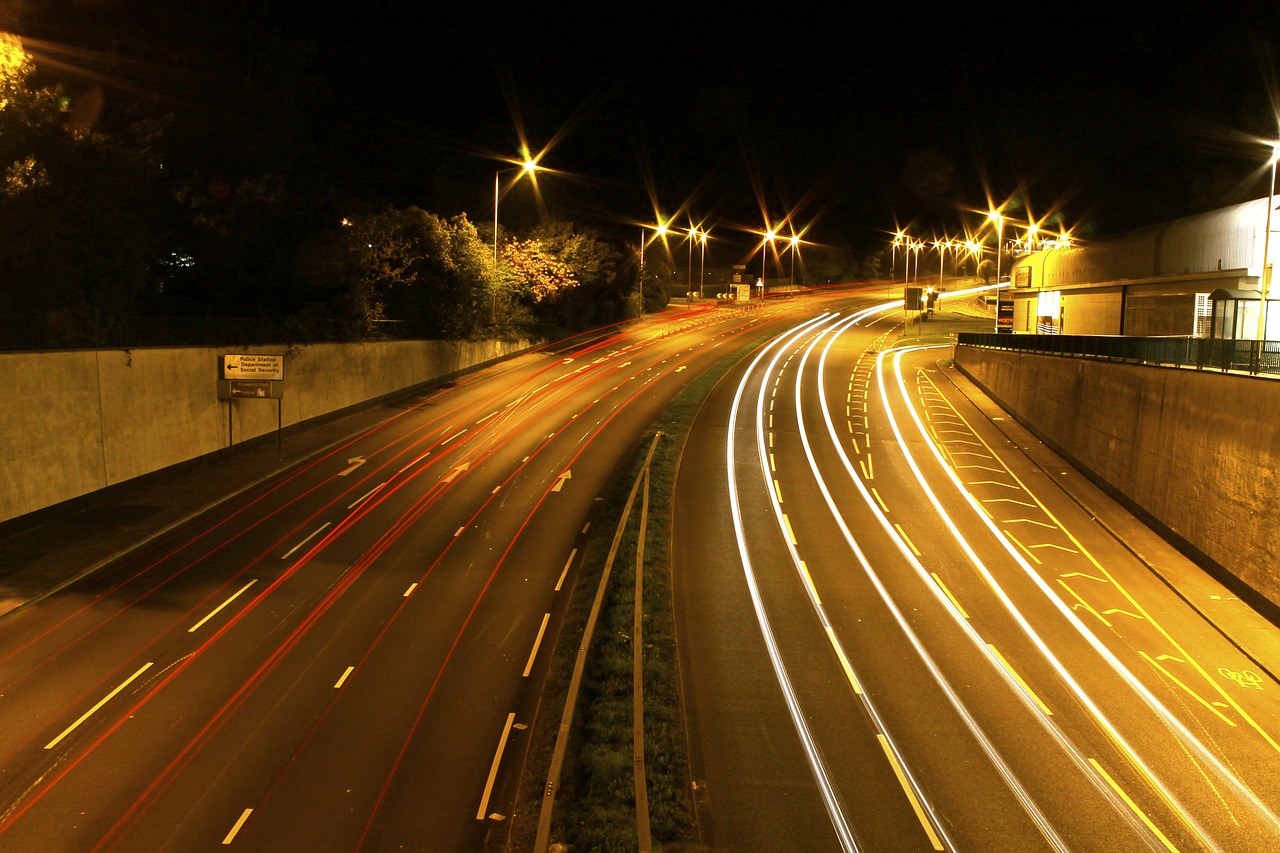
(74, 422)
(1197, 451)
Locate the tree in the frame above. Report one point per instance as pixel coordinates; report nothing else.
(448, 293)
(83, 213)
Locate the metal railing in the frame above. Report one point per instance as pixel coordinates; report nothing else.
(1252, 357)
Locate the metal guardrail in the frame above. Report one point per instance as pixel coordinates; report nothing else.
(1252, 357)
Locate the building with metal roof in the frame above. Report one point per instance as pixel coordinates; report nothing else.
(1197, 276)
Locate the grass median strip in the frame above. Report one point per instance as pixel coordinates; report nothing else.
(596, 805)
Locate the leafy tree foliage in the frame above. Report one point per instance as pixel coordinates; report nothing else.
(119, 212)
(84, 214)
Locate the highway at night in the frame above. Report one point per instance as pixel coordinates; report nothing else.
(902, 626)
(346, 656)
(899, 633)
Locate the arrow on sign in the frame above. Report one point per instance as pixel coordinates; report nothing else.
(452, 475)
(352, 464)
(560, 481)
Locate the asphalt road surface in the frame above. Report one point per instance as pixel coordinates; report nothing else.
(902, 629)
(346, 655)
(899, 630)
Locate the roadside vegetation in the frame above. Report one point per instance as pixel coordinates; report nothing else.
(595, 808)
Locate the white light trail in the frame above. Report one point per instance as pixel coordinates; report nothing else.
(1185, 735)
(826, 788)
(980, 737)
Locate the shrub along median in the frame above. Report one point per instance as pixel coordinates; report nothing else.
(595, 807)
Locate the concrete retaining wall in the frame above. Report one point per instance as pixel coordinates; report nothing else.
(1197, 451)
(74, 422)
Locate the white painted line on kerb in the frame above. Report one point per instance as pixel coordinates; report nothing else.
(493, 769)
(537, 641)
(313, 535)
(214, 612)
(343, 678)
(104, 700)
(565, 572)
(231, 836)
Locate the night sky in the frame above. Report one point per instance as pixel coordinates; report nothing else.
(1114, 115)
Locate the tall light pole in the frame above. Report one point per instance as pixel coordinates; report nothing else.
(795, 245)
(942, 246)
(769, 236)
(527, 167)
(893, 262)
(659, 230)
(998, 219)
(688, 290)
(702, 268)
(1265, 290)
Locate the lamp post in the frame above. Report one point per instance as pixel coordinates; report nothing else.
(688, 290)
(942, 246)
(702, 268)
(898, 239)
(795, 246)
(769, 236)
(659, 230)
(1265, 290)
(998, 219)
(527, 167)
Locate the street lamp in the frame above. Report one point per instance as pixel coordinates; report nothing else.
(795, 245)
(659, 230)
(1265, 290)
(996, 217)
(688, 290)
(527, 167)
(898, 239)
(769, 236)
(702, 268)
(942, 246)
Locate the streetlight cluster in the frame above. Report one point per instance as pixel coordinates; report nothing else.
(698, 234)
(1031, 239)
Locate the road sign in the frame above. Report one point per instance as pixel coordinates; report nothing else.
(252, 366)
(245, 389)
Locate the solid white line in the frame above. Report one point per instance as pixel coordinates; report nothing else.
(565, 571)
(214, 611)
(537, 641)
(313, 535)
(343, 678)
(104, 700)
(493, 769)
(232, 834)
